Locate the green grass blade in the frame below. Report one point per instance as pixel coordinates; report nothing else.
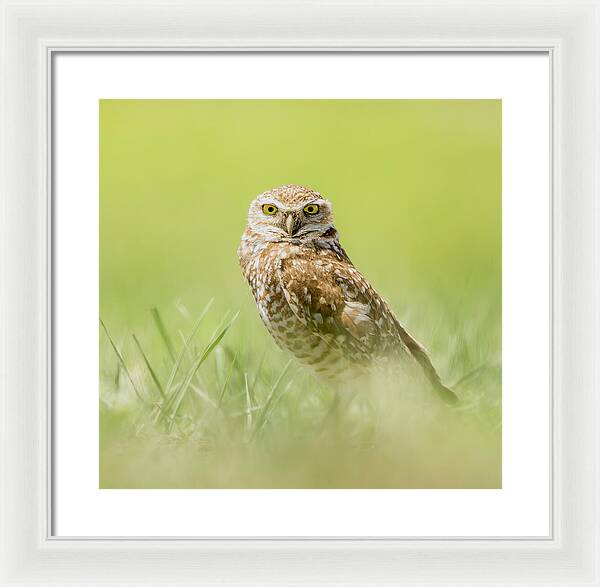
(149, 366)
(122, 362)
(183, 350)
(162, 330)
(262, 418)
(248, 411)
(220, 366)
(188, 379)
(203, 395)
(172, 397)
(226, 384)
(258, 369)
(117, 377)
(192, 352)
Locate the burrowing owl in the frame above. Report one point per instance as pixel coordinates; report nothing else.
(312, 299)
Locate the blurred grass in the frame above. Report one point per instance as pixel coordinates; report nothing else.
(416, 188)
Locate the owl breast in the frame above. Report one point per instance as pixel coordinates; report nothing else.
(263, 272)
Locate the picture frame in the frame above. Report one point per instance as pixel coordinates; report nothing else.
(32, 33)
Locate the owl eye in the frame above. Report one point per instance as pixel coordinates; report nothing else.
(269, 209)
(311, 209)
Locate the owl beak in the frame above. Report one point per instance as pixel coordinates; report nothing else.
(290, 224)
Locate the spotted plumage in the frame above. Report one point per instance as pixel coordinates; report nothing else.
(312, 299)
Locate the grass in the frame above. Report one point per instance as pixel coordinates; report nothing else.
(199, 408)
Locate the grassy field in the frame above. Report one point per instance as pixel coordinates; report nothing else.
(193, 393)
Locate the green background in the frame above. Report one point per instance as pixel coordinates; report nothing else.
(416, 193)
(415, 185)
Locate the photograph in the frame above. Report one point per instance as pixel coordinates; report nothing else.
(300, 294)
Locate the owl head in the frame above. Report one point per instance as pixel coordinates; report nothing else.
(290, 212)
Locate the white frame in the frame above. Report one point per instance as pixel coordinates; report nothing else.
(32, 32)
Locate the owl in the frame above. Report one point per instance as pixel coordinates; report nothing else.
(312, 299)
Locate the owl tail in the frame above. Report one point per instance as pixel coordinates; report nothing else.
(420, 355)
(446, 394)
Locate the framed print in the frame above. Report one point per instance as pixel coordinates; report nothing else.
(299, 295)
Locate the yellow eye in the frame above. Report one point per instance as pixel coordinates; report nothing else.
(311, 209)
(269, 209)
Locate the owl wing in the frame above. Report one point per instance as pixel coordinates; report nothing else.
(334, 300)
